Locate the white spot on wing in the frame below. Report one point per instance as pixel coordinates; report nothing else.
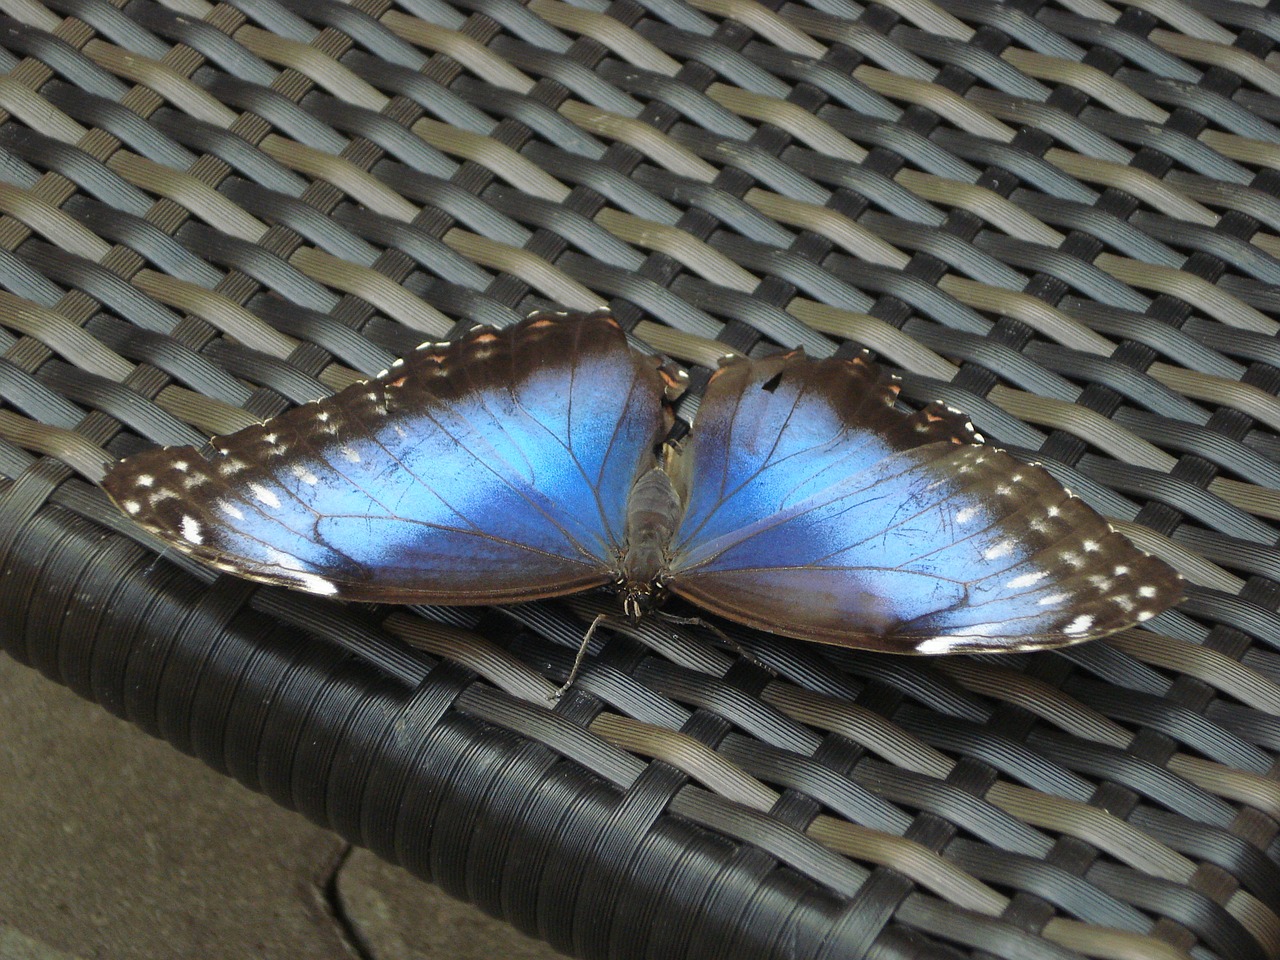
(982, 636)
(350, 455)
(132, 506)
(231, 510)
(263, 495)
(305, 475)
(1079, 625)
(145, 480)
(191, 530)
(967, 514)
(314, 584)
(944, 644)
(1026, 580)
(1001, 549)
(1146, 591)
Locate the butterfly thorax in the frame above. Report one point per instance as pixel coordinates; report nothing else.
(654, 511)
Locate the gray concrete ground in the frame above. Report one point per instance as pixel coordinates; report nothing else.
(113, 845)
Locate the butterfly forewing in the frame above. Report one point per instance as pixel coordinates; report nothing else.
(493, 469)
(891, 532)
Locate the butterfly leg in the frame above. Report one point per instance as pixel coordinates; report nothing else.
(582, 653)
(722, 638)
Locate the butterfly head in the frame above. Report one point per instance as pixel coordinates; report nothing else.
(641, 598)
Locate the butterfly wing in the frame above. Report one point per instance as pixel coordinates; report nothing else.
(489, 470)
(816, 510)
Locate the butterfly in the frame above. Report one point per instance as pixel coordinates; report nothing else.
(532, 462)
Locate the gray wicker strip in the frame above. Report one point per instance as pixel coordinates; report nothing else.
(1063, 218)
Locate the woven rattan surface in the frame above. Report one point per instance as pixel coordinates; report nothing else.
(1063, 218)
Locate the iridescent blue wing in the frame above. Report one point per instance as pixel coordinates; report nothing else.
(818, 511)
(493, 469)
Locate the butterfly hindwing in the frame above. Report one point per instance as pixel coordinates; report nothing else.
(817, 517)
(771, 431)
(493, 469)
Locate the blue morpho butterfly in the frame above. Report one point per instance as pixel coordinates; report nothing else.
(529, 462)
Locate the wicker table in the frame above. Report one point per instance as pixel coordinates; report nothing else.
(1063, 219)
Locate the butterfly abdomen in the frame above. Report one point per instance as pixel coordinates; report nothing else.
(654, 510)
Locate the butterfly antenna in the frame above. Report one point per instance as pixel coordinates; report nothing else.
(582, 655)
